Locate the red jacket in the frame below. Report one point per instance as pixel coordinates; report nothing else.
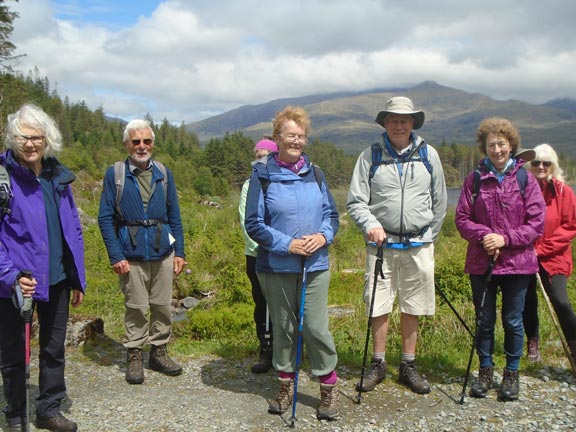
(554, 248)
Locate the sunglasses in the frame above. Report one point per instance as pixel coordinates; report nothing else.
(536, 163)
(146, 141)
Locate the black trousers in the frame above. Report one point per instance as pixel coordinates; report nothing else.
(52, 320)
(556, 288)
(265, 337)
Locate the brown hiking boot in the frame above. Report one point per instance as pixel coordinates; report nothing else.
(410, 377)
(57, 423)
(161, 362)
(328, 408)
(283, 399)
(532, 352)
(264, 363)
(134, 366)
(481, 386)
(375, 375)
(510, 386)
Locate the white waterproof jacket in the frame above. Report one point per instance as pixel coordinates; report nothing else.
(403, 197)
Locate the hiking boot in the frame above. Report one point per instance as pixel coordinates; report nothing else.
(264, 363)
(161, 362)
(283, 399)
(510, 386)
(532, 352)
(58, 423)
(410, 377)
(135, 366)
(484, 382)
(328, 408)
(375, 375)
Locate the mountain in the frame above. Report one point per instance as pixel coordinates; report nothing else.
(347, 119)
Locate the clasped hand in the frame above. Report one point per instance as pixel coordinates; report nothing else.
(307, 245)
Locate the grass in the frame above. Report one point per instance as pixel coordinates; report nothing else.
(222, 324)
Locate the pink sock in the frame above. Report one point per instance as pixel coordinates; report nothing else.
(330, 378)
(286, 375)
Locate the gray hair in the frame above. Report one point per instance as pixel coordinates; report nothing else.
(136, 125)
(33, 117)
(545, 152)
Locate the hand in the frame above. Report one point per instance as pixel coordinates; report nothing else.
(121, 267)
(491, 242)
(27, 286)
(297, 248)
(77, 297)
(313, 242)
(179, 264)
(376, 235)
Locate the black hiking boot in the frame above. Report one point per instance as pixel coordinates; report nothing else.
(283, 400)
(375, 375)
(510, 386)
(58, 423)
(328, 408)
(410, 377)
(264, 363)
(134, 366)
(484, 382)
(161, 362)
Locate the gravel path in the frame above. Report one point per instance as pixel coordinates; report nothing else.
(220, 395)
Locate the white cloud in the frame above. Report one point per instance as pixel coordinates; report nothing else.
(188, 60)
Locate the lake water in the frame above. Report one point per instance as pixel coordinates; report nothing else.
(454, 194)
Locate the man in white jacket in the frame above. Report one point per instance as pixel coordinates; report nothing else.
(397, 197)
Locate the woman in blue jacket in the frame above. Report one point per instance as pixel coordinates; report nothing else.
(291, 214)
(41, 233)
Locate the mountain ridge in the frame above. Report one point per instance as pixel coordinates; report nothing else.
(346, 119)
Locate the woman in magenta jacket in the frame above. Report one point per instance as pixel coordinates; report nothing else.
(501, 223)
(554, 250)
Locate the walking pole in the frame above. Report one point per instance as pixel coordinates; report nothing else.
(267, 334)
(441, 293)
(556, 324)
(299, 343)
(377, 271)
(26, 305)
(487, 279)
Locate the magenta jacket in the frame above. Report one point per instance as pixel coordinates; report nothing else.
(500, 208)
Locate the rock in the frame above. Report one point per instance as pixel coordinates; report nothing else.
(82, 328)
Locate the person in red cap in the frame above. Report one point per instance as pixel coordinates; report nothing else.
(261, 317)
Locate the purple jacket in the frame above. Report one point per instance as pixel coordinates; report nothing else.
(500, 208)
(24, 233)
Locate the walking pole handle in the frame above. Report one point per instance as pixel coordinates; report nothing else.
(27, 303)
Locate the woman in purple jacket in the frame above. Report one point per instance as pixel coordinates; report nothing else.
(41, 233)
(500, 213)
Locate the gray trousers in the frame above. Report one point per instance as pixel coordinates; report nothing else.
(283, 293)
(148, 284)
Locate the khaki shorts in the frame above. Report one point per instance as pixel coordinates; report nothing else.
(408, 273)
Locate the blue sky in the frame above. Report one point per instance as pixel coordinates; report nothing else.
(111, 14)
(186, 60)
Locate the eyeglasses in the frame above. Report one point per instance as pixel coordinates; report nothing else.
(536, 163)
(146, 141)
(294, 137)
(23, 139)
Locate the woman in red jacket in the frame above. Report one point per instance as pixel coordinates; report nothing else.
(554, 250)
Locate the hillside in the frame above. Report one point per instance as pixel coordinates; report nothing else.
(452, 115)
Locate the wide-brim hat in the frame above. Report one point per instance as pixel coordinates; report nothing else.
(401, 105)
(525, 154)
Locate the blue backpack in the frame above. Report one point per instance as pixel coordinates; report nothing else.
(521, 178)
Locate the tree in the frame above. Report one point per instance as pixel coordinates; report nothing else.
(6, 47)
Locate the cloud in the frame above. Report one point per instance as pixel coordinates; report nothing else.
(185, 61)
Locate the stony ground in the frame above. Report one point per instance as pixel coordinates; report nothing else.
(214, 394)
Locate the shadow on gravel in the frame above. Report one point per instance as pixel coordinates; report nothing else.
(105, 351)
(235, 376)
